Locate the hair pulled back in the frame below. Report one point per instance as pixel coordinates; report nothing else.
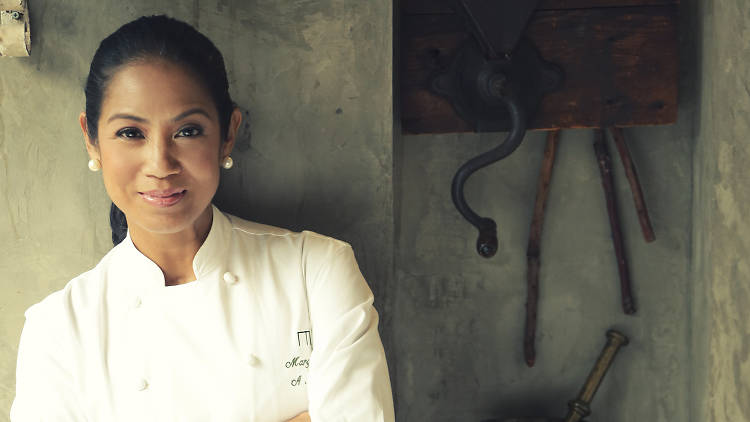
(148, 38)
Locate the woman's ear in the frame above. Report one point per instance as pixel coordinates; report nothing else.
(91, 147)
(234, 125)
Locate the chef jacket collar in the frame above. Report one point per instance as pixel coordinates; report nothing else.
(211, 256)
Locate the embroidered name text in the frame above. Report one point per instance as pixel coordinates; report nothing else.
(298, 362)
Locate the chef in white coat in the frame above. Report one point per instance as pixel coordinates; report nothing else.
(195, 315)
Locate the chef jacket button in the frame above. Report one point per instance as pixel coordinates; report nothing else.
(230, 278)
(141, 385)
(253, 361)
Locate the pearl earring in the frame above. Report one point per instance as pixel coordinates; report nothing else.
(95, 165)
(227, 163)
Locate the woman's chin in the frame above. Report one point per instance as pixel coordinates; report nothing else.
(169, 223)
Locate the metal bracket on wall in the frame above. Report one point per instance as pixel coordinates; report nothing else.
(495, 83)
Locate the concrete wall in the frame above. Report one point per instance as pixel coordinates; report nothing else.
(721, 271)
(315, 78)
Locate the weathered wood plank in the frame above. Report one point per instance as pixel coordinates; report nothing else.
(620, 68)
(423, 7)
(591, 4)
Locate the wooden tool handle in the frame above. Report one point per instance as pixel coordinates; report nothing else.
(605, 167)
(532, 252)
(635, 184)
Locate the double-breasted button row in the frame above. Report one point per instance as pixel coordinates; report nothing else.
(142, 384)
(230, 278)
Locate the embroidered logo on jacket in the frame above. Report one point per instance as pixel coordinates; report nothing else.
(304, 337)
(301, 360)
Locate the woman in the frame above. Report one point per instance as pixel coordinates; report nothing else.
(194, 315)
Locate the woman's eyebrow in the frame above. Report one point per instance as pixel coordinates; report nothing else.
(196, 110)
(174, 119)
(127, 117)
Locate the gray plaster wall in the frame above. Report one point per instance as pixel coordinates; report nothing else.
(314, 78)
(721, 271)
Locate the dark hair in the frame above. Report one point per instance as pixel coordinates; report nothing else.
(159, 37)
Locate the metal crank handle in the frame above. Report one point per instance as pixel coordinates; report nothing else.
(487, 240)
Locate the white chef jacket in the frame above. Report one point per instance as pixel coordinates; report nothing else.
(276, 323)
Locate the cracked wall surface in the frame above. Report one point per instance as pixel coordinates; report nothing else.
(314, 81)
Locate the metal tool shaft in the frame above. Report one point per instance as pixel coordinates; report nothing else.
(579, 408)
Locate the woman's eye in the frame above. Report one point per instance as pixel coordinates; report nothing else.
(190, 131)
(129, 133)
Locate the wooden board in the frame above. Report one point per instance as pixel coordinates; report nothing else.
(620, 66)
(421, 7)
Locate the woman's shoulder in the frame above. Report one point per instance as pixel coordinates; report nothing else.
(80, 292)
(58, 311)
(278, 236)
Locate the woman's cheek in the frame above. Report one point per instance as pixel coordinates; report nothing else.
(119, 171)
(203, 163)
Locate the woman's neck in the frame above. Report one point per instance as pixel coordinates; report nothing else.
(174, 252)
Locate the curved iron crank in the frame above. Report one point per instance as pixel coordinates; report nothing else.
(487, 240)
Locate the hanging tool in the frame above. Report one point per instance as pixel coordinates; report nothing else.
(605, 168)
(533, 250)
(495, 83)
(635, 184)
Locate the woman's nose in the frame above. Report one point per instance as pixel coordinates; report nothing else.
(162, 160)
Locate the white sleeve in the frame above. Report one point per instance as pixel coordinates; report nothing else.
(45, 390)
(348, 379)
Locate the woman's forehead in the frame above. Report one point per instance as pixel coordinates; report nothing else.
(156, 88)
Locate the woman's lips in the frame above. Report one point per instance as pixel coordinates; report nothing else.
(163, 198)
